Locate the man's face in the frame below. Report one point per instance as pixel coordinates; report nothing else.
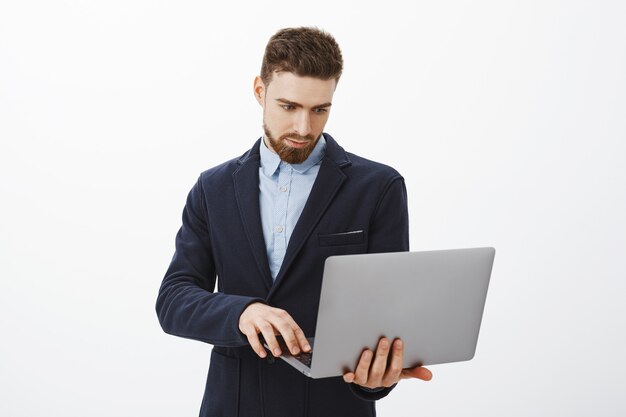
(295, 111)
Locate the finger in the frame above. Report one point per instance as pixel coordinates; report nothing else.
(253, 338)
(362, 369)
(270, 338)
(348, 377)
(418, 372)
(394, 368)
(377, 372)
(288, 337)
(292, 333)
(302, 340)
(284, 324)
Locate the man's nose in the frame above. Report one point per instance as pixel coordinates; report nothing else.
(303, 123)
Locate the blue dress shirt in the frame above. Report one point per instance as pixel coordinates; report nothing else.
(283, 191)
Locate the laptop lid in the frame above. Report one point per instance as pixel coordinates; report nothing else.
(433, 300)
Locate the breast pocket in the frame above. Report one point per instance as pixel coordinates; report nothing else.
(354, 237)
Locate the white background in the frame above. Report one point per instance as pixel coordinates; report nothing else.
(507, 119)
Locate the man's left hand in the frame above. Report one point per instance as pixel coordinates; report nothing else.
(376, 370)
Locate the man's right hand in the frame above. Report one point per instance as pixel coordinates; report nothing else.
(270, 321)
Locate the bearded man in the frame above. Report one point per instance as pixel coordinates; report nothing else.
(261, 226)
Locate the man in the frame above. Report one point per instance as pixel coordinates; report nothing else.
(263, 224)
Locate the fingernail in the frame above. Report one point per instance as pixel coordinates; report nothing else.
(384, 344)
(307, 347)
(262, 354)
(277, 352)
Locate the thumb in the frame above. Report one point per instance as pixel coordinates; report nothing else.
(418, 372)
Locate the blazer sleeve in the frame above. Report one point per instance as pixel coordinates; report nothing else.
(388, 232)
(389, 227)
(187, 305)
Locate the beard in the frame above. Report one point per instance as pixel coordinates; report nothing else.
(288, 153)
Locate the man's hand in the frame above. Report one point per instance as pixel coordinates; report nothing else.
(377, 370)
(269, 321)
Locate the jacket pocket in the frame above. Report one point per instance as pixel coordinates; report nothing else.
(354, 237)
(221, 395)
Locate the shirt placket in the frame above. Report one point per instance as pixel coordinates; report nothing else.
(280, 214)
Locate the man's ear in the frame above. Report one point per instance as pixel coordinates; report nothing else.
(259, 90)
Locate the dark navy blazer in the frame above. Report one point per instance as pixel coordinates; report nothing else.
(221, 237)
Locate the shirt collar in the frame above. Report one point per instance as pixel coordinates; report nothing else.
(270, 161)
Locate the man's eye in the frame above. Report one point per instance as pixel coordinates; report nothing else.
(287, 106)
(320, 111)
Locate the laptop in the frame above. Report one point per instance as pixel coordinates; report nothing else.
(432, 300)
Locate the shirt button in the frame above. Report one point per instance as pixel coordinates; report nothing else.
(279, 229)
(283, 188)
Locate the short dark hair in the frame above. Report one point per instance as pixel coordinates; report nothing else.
(303, 51)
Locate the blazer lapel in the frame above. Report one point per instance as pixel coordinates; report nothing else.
(246, 183)
(327, 184)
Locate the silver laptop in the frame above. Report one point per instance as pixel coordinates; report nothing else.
(432, 300)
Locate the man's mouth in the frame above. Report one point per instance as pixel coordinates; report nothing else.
(297, 144)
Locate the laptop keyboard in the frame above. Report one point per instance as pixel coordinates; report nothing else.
(305, 358)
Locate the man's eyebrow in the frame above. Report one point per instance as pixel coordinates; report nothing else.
(293, 103)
